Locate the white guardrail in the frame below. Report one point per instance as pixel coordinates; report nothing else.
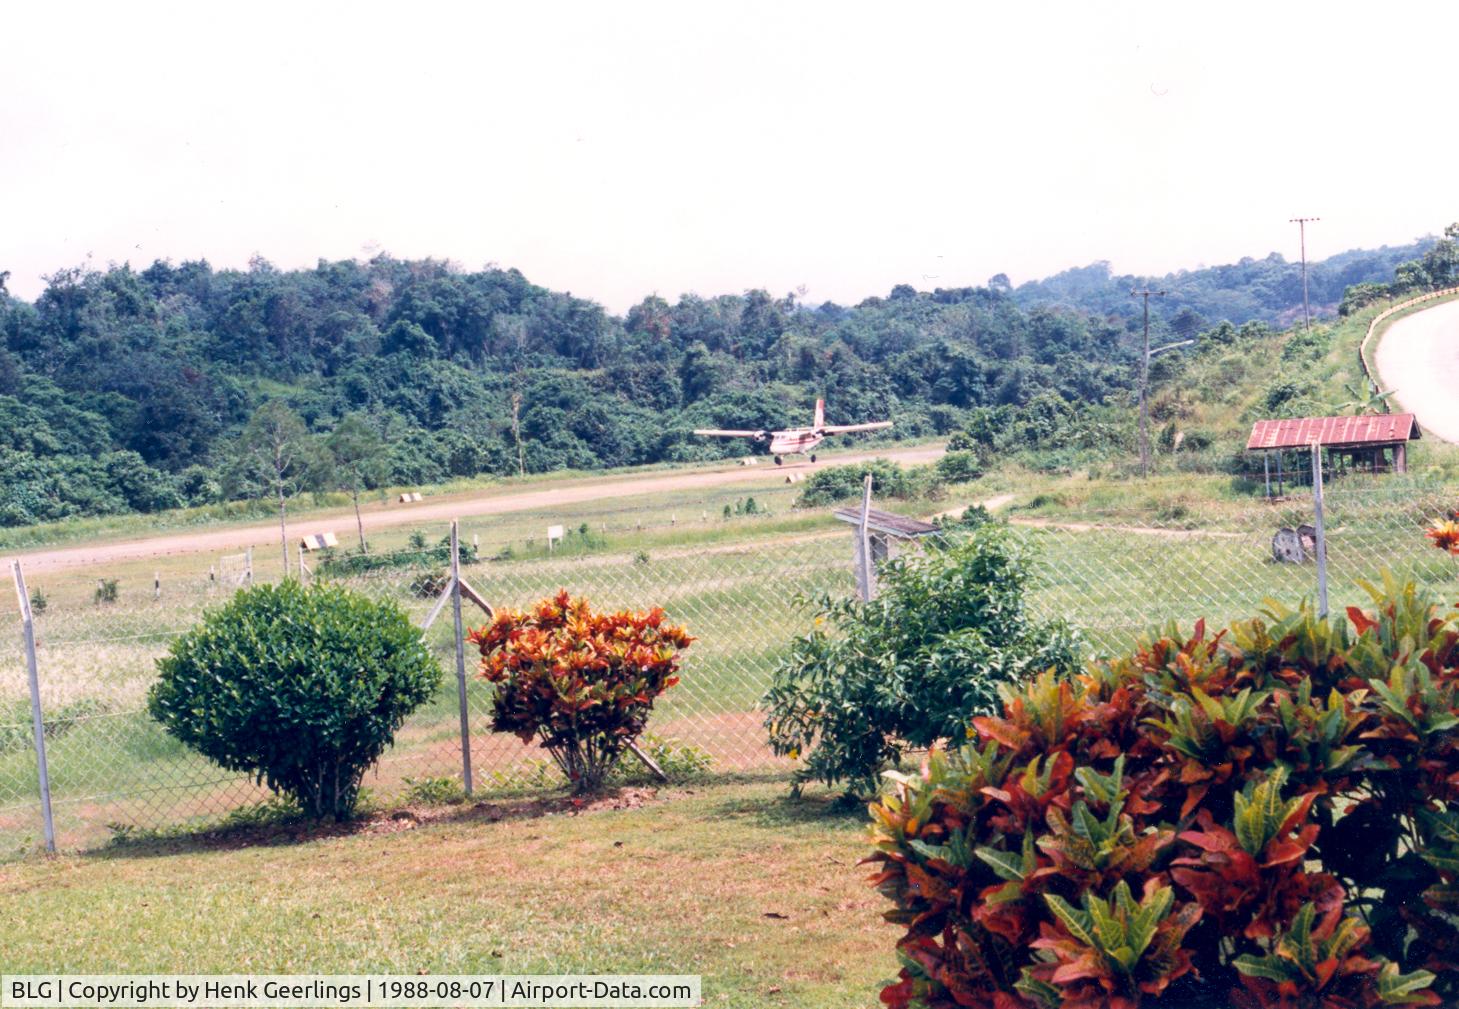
(1387, 314)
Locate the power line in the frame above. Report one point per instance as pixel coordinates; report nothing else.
(1147, 294)
(1301, 223)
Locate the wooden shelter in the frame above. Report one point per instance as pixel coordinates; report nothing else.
(1377, 443)
(885, 533)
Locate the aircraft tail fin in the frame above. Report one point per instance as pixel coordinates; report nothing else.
(820, 414)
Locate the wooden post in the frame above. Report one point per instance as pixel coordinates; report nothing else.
(1266, 465)
(156, 585)
(1321, 534)
(460, 656)
(37, 723)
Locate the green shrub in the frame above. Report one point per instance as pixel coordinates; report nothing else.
(680, 761)
(972, 517)
(106, 591)
(301, 687)
(1267, 818)
(441, 791)
(582, 683)
(38, 601)
(912, 666)
(430, 584)
(959, 467)
(841, 483)
(18, 733)
(419, 554)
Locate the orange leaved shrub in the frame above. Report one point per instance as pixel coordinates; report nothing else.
(581, 682)
(1267, 818)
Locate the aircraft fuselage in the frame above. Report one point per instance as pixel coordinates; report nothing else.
(795, 442)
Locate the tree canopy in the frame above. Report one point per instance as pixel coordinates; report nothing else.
(128, 390)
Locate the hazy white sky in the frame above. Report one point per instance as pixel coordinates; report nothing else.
(617, 149)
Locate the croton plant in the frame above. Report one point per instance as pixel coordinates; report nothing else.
(582, 682)
(1263, 817)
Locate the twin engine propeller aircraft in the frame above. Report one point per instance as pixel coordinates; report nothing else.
(797, 440)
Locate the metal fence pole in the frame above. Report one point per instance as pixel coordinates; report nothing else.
(460, 642)
(38, 725)
(1321, 532)
(865, 572)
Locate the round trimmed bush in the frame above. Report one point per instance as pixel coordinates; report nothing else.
(301, 687)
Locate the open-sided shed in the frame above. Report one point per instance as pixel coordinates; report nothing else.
(1378, 443)
(885, 533)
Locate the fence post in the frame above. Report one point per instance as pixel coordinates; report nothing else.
(865, 572)
(248, 566)
(1321, 532)
(460, 637)
(37, 723)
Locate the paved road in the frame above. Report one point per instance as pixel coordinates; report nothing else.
(492, 502)
(1418, 358)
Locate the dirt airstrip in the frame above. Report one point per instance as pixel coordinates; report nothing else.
(484, 502)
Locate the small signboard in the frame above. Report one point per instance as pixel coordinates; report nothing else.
(554, 535)
(320, 541)
(409, 497)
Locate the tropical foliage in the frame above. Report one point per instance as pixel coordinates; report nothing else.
(911, 667)
(132, 390)
(303, 688)
(1263, 817)
(582, 683)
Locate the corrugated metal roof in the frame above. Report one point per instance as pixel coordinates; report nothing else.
(887, 522)
(1300, 432)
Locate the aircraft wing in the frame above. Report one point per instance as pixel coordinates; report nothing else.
(848, 428)
(713, 432)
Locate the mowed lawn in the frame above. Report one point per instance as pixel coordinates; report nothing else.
(758, 893)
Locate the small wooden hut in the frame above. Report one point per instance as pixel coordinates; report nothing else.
(1376, 443)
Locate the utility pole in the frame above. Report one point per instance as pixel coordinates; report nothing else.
(1301, 223)
(1147, 294)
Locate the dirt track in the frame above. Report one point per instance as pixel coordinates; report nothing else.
(235, 538)
(1418, 358)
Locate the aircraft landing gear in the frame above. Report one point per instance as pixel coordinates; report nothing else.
(779, 461)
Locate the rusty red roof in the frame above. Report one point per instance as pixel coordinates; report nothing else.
(1300, 432)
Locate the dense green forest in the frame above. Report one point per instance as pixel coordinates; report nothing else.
(1267, 290)
(125, 390)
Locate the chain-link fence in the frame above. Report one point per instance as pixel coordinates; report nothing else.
(111, 767)
(1111, 563)
(1116, 567)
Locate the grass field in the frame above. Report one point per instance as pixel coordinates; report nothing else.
(759, 895)
(110, 763)
(1116, 556)
(1113, 560)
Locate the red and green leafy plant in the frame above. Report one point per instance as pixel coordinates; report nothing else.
(1267, 817)
(583, 683)
(1445, 534)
